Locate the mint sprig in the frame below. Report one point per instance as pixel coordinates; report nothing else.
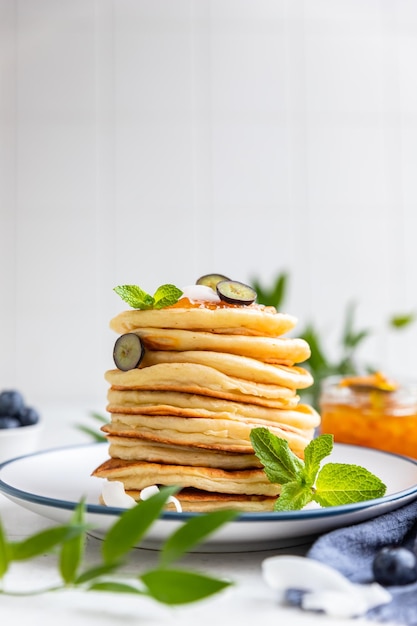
(137, 298)
(305, 481)
(164, 583)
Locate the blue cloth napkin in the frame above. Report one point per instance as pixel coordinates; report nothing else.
(351, 550)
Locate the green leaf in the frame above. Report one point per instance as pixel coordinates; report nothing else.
(317, 361)
(348, 325)
(314, 453)
(281, 465)
(273, 296)
(350, 338)
(97, 436)
(115, 587)
(4, 552)
(132, 525)
(166, 295)
(294, 496)
(135, 296)
(96, 572)
(356, 338)
(280, 289)
(174, 586)
(43, 542)
(335, 483)
(99, 417)
(341, 483)
(403, 320)
(72, 550)
(192, 532)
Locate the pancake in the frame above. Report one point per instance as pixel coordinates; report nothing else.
(235, 365)
(197, 501)
(255, 319)
(131, 402)
(230, 435)
(280, 350)
(137, 475)
(184, 401)
(132, 449)
(199, 379)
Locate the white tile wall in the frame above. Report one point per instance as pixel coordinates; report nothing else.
(152, 141)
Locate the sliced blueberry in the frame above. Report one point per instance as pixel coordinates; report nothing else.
(211, 280)
(235, 292)
(128, 351)
(395, 566)
(9, 421)
(11, 403)
(28, 416)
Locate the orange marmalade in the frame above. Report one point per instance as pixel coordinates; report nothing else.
(372, 411)
(186, 303)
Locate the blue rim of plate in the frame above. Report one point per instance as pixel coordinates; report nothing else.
(268, 516)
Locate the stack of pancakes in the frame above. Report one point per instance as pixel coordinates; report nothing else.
(210, 374)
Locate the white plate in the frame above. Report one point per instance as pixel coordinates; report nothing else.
(51, 483)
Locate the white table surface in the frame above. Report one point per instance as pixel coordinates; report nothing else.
(248, 601)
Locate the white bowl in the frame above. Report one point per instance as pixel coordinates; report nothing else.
(15, 442)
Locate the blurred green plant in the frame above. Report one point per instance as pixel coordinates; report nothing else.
(320, 364)
(165, 582)
(94, 433)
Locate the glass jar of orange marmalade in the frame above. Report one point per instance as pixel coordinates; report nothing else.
(372, 411)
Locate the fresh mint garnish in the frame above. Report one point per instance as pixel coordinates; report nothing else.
(137, 298)
(166, 295)
(306, 481)
(280, 464)
(341, 483)
(134, 296)
(163, 582)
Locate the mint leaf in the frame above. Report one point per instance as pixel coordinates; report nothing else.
(281, 465)
(134, 296)
(137, 298)
(304, 481)
(175, 586)
(341, 483)
(166, 295)
(314, 454)
(294, 496)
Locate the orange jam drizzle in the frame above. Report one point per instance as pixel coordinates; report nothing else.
(185, 303)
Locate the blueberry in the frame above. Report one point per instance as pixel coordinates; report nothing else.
(8, 421)
(11, 403)
(395, 566)
(28, 416)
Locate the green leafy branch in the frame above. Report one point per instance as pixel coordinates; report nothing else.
(306, 481)
(165, 583)
(351, 338)
(321, 366)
